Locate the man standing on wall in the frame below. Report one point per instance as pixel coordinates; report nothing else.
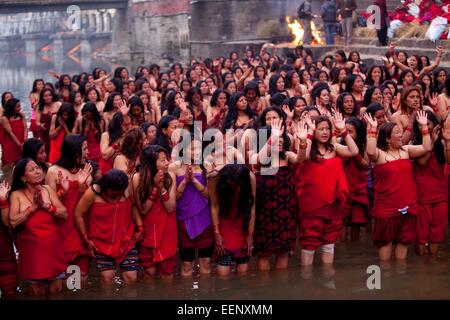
(329, 14)
(345, 11)
(305, 14)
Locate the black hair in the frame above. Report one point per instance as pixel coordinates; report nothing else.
(10, 108)
(240, 175)
(360, 128)
(71, 150)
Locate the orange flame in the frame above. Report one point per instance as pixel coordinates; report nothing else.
(298, 32)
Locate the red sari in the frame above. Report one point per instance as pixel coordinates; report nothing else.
(321, 183)
(73, 245)
(232, 231)
(358, 204)
(10, 151)
(40, 247)
(395, 193)
(395, 189)
(106, 165)
(160, 232)
(55, 147)
(93, 145)
(433, 201)
(111, 228)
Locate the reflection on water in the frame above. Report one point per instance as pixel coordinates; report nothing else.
(418, 278)
(18, 73)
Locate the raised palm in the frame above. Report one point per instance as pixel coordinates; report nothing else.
(4, 189)
(339, 121)
(84, 174)
(421, 118)
(302, 130)
(371, 121)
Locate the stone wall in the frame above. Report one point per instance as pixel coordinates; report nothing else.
(160, 31)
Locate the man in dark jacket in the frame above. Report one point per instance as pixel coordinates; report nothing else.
(329, 15)
(305, 14)
(345, 11)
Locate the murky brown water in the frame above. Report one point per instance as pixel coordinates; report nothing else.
(418, 278)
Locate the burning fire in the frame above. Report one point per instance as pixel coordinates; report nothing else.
(298, 31)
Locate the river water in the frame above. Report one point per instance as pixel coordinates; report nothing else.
(418, 278)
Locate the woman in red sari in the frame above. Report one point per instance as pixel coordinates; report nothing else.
(91, 126)
(8, 263)
(395, 204)
(109, 234)
(432, 196)
(61, 125)
(69, 177)
(47, 107)
(356, 211)
(322, 187)
(110, 142)
(233, 191)
(154, 195)
(15, 131)
(34, 213)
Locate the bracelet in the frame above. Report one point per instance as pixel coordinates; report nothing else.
(269, 142)
(309, 136)
(334, 134)
(344, 134)
(425, 132)
(216, 229)
(4, 204)
(303, 145)
(408, 129)
(115, 146)
(165, 196)
(371, 135)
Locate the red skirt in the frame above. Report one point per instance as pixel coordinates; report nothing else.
(432, 222)
(399, 229)
(10, 151)
(202, 241)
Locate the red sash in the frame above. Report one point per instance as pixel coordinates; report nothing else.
(111, 227)
(432, 181)
(160, 231)
(40, 248)
(321, 184)
(73, 245)
(10, 151)
(395, 189)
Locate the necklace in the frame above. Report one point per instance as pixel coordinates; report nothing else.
(399, 155)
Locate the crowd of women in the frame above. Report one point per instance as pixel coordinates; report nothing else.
(99, 183)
